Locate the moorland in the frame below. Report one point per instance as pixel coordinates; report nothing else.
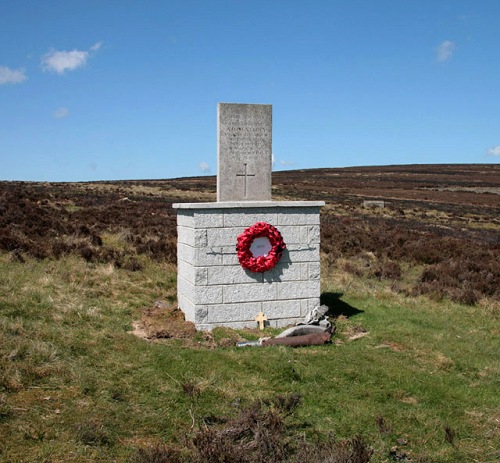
(413, 286)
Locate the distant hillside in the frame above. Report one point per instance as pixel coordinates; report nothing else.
(477, 184)
(446, 186)
(443, 217)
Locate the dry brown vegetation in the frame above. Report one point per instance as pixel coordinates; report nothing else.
(263, 432)
(441, 219)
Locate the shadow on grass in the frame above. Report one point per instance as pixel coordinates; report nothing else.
(337, 307)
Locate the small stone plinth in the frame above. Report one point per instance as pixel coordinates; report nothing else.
(214, 290)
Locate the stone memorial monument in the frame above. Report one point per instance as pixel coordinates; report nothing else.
(246, 256)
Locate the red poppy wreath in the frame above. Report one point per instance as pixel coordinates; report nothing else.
(260, 247)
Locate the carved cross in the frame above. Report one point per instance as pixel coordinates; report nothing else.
(245, 175)
(260, 319)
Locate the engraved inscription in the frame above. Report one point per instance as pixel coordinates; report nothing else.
(246, 142)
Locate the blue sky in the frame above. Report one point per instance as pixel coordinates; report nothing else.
(105, 90)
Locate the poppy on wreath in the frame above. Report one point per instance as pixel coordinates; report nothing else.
(273, 247)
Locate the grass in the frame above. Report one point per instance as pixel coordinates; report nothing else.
(75, 385)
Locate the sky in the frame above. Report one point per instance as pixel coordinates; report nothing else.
(123, 89)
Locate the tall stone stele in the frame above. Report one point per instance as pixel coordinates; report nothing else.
(213, 289)
(244, 152)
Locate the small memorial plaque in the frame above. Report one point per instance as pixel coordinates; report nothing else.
(244, 152)
(260, 246)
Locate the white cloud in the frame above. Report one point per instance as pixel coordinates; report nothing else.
(204, 167)
(59, 113)
(494, 151)
(96, 46)
(281, 163)
(445, 51)
(62, 61)
(12, 76)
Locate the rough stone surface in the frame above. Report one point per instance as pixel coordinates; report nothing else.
(244, 152)
(252, 215)
(214, 290)
(250, 292)
(220, 313)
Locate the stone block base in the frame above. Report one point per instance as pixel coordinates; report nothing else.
(214, 290)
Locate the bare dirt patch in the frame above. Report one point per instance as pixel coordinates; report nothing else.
(163, 322)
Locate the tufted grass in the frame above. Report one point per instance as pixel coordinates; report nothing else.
(414, 377)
